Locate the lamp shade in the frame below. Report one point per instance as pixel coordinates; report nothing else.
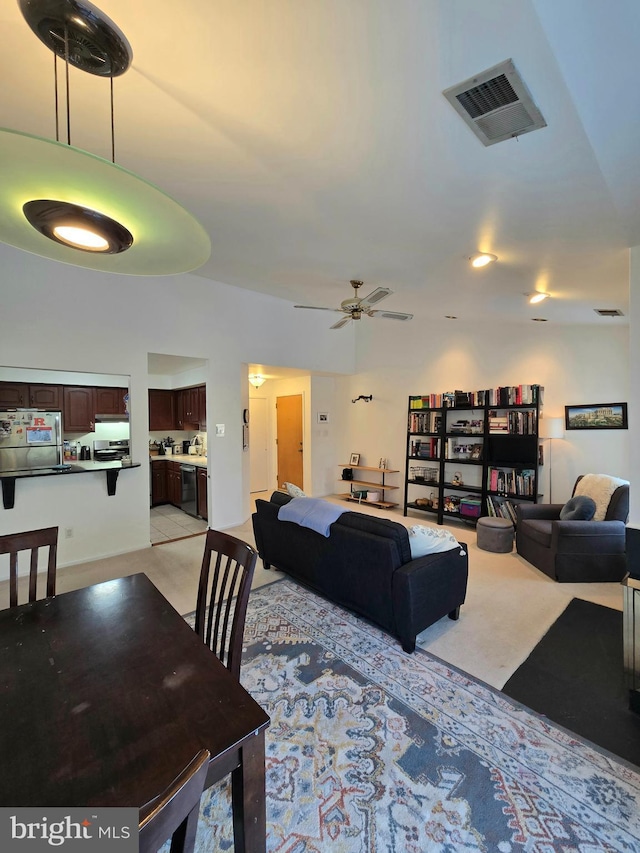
(551, 428)
(256, 380)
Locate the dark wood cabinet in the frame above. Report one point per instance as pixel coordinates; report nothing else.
(174, 483)
(161, 410)
(159, 493)
(110, 401)
(14, 395)
(78, 409)
(187, 402)
(202, 406)
(201, 480)
(45, 396)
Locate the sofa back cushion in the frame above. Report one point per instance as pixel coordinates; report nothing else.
(578, 508)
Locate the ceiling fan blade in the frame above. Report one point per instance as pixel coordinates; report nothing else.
(317, 308)
(390, 315)
(374, 297)
(341, 323)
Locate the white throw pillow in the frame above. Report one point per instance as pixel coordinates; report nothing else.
(294, 491)
(430, 540)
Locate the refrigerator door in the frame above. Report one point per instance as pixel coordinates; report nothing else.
(30, 439)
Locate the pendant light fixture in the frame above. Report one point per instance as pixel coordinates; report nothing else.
(68, 205)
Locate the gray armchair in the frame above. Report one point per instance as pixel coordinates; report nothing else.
(575, 551)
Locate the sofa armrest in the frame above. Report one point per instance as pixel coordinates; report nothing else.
(541, 512)
(588, 537)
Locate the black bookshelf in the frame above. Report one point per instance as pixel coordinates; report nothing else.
(473, 454)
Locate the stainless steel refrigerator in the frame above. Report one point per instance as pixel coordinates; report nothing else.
(30, 440)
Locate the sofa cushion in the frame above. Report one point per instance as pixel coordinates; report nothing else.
(380, 527)
(599, 487)
(294, 491)
(578, 508)
(430, 540)
(537, 529)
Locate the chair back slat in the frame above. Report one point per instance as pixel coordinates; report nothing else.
(174, 813)
(227, 571)
(31, 540)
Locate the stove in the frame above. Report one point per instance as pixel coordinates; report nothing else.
(110, 451)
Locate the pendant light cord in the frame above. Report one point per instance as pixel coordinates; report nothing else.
(113, 132)
(55, 86)
(66, 62)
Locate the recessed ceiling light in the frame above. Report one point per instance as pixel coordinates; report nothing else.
(76, 226)
(482, 259)
(537, 297)
(539, 319)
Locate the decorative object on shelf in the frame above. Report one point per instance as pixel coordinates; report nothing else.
(362, 397)
(256, 379)
(354, 307)
(382, 463)
(551, 428)
(596, 416)
(354, 459)
(94, 213)
(347, 474)
(456, 480)
(323, 417)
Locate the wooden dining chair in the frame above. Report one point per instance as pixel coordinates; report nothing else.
(223, 594)
(174, 813)
(15, 543)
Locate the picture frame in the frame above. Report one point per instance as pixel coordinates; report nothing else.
(476, 451)
(323, 417)
(354, 459)
(596, 416)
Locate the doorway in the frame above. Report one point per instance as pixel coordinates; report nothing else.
(289, 440)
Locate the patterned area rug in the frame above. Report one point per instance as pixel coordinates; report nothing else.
(371, 750)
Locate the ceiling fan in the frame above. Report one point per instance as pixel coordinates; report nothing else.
(354, 307)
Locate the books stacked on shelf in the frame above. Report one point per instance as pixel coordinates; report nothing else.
(465, 426)
(455, 449)
(501, 509)
(509, 481)
(421, 422)
(498, 424)
(523, 423)
(426, 401)
(421, 449)
(515, 395)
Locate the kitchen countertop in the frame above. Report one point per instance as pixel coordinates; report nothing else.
(183, 458)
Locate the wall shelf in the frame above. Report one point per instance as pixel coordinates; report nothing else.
(372, 486)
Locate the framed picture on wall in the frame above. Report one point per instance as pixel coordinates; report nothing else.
(596, 416)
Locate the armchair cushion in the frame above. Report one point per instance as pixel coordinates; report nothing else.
(578, 508)
(540, 531)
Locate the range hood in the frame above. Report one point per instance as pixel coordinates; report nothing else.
(111, 419)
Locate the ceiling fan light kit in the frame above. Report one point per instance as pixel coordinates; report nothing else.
(68, 205)
(354, 307)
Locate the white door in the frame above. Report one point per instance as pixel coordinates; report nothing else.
(258, 444)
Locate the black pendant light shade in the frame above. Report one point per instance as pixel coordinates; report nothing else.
(77, 227)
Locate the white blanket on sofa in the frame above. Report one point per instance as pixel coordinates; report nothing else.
(599, 487)
(313, 513)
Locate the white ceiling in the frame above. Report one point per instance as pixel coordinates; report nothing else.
(313, 142)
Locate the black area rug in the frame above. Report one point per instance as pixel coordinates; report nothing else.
(574, 677)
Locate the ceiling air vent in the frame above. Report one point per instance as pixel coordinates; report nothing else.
(496, 104)
(609, 312)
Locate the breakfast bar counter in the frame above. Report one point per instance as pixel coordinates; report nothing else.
(112, 469)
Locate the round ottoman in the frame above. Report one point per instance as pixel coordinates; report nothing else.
(495, 534)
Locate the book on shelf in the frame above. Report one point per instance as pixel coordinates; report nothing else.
(428, 421)
(509, 481)
(501, 508)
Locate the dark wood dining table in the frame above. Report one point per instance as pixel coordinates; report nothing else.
(106, 694)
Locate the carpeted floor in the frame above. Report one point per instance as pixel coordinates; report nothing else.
(574, 676)
(371, 750)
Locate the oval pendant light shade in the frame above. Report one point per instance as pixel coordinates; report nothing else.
(166, 239)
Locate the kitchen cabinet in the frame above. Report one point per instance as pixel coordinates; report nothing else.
(13, 395)
(159, 494)
(45, 396)
(110, 401)
(201, 480)
(187, 408)
(174, 483)
(161, 410)
(202, 407)
(78, 408)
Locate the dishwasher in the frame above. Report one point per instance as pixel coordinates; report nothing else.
(188, 494)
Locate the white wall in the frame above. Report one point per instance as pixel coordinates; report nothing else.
(575, 365)
(70, 319)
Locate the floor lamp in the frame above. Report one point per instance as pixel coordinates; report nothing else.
(551, 428)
